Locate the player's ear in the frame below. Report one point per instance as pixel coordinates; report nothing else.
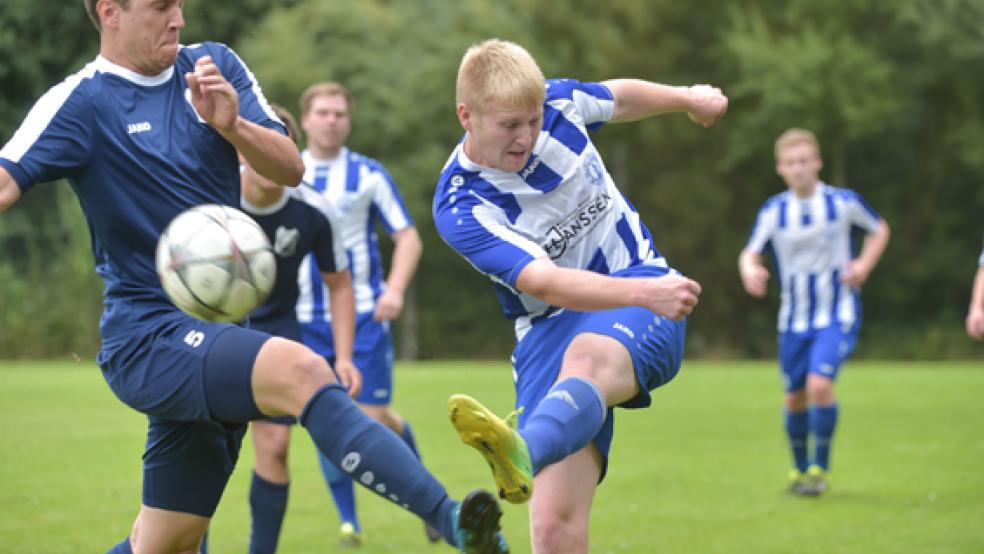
(464, 116)
(108, 13)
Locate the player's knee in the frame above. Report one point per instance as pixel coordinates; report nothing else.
(558, 531)
(304, 373)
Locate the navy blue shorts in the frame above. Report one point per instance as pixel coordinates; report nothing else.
(164, 369)
(819, 351)
(373, 355)
(654, 343)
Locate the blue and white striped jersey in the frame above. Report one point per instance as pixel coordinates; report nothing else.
(811, 242)
(563, 205)
(137, 154)
(298, 225)
(362, 194)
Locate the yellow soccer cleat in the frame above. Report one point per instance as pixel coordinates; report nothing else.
(500, 444)
(348, 537)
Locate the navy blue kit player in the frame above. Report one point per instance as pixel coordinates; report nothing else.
(808, 228)
(297, 222)
(599, 314)
(147, 130)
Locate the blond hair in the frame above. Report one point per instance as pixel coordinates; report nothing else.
(795, 137)
(327, 88)
(498, 71)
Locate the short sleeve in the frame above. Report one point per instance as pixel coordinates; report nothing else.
(593, 101)
(253, 104)
(387, 202)
(765, 225)
(479, 231)
(860, 213)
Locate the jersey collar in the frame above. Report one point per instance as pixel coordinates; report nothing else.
(104, 65)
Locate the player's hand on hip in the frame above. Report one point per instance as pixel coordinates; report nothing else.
(855, 274)
(755, 278)
(707, 104)
(349, 376)
(214, 98)
(388, 306)
(975, 324)
(672, 296)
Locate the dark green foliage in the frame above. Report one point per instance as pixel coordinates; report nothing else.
(891, 89)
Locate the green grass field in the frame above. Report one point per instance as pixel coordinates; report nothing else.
(700, 471)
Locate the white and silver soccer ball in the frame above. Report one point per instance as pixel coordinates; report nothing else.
(215, 263)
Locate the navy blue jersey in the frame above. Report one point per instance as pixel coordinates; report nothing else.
(137, 154)
(296, 225)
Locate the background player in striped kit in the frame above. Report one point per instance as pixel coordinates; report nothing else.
(296, 220)
(809, 230)
(599, 314)
(975, 314)
(362, 195)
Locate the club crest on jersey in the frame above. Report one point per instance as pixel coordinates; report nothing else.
(576, 225)
(593, 170)
(285, 241)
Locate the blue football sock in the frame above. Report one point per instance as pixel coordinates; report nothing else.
(798, 430)
(203, 547)
(342, 491)
(566, 420)
(123, 547)
(374, 456)
(268, 504)
(408, 439)
(823, 420)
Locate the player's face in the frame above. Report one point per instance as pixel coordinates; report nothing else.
(327, 123)
(147, 32)
(501, 138)
(799, 166)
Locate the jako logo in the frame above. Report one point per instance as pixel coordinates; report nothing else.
(194, 338)
(141, 127)
(621, 327)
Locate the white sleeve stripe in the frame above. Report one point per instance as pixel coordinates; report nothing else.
(41, 114)
(489, 217)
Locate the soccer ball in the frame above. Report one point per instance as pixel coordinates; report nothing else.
(215, 263)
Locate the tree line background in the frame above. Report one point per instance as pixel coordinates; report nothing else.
(892, 89)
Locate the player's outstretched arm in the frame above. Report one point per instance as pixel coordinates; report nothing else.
(672, 296)
(341, 298)
(407, 248)
(9, 191)
(754, 275)
(637, 99)
(975, 314)
(871, 251)
(271, 154)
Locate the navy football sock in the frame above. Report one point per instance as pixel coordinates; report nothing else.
(123, 547)
(823, 420)
(268, 504)
(408, 439)
(372, 455)
(797, 430)
(566, 420)
(342, 491)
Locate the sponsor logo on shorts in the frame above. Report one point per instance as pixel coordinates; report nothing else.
(623, 328)
(826, 369)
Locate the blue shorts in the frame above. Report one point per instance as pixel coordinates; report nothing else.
(819, 351)
(164, 368)
(373, 355)
(654, 343)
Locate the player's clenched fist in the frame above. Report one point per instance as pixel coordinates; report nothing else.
(672, 296)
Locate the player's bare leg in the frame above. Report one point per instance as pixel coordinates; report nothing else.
(561, 505)
(164, 532)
